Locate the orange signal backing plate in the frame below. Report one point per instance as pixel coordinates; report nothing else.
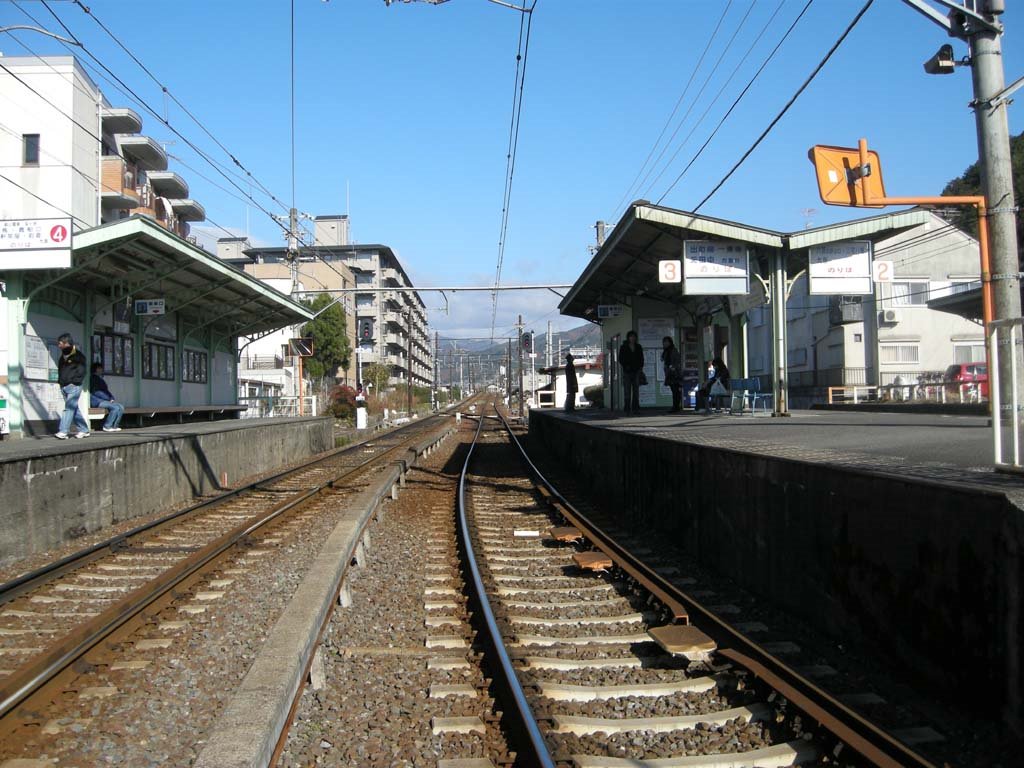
(831, 165)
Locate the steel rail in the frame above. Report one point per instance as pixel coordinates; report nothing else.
(850, 729)
(35, 578)
(520, 723)
(33, 677)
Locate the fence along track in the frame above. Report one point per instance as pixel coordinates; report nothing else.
(840, 732)
(44, 671)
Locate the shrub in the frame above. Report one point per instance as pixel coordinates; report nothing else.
(595, 395)
(342, 402)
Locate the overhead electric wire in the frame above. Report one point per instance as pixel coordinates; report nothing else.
(738, 99)
(43, 200)
(203, 154)
(522, 53)
(717, 96)
(679, 101)
(810, 78)
(202, 126)
(693, 104)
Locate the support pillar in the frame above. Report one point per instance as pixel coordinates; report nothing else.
(17, 316)
(780, 384)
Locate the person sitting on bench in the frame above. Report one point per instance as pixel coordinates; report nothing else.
(100, 396)
(716, 387)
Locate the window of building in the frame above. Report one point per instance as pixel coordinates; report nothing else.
(899, 353)
(30, 151)
(858, 337)
(963, 286)
(910, 293)
(116, 353)
(969, 352)
(193, 366)
(158, 361)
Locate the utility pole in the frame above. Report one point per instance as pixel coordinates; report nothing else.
(519, 336)
(547, 348)
(508, 375)
(437, 354)
(599, 228)
(979, 25)
(408, 359)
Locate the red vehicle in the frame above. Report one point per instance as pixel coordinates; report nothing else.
(967, 378)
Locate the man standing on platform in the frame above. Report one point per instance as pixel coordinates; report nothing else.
(571, 385)
(71, 369)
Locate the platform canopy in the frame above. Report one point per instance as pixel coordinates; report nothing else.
(627, 264)
(135, 258)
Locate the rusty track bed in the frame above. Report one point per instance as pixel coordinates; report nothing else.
(844, 734)
(39, 675)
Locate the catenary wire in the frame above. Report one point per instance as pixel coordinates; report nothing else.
(686, 89)
(792, 100)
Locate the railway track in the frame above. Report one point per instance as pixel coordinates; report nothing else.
(79, 614)
(600, 662)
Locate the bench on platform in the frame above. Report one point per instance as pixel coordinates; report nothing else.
(744, 391)
(181, 412)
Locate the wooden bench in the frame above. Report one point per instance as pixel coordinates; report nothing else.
(180, 411)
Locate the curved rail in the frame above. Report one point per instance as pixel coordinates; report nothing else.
(34, 677)
(846, 726)
(520, 724)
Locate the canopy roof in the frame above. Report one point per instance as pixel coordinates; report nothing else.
(135, 258)
(627, 264)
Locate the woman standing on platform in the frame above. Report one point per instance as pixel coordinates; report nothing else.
(631, 358)
(673, 371)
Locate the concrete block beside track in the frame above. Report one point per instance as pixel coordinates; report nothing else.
(53, 492)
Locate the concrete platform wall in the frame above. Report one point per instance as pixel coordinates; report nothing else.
(930, 575)
(49, 500)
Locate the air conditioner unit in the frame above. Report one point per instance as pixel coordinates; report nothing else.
(890, 316)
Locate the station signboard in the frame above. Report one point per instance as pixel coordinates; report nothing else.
(605, 311)
(840, 268)
(35, 243)
(715, 268)
(150, 306)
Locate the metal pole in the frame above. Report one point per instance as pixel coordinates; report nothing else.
(408, 360)
(508, 374)
(778, 288)
(547, 347)
(993, 392)
(437, 354)
(996, 171)
(519, 336)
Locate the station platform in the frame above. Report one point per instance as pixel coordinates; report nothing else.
(952, 449)
(54, 491)
(889, 530)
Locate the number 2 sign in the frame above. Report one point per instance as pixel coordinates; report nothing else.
(882, 271)
(670, 271)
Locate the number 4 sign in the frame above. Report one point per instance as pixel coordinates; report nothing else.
(670, 271)
(882, 271)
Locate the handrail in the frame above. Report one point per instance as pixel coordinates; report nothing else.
(522, 724)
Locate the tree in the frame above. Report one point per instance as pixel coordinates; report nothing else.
(969, 183)
(331, 346)
(378, 375)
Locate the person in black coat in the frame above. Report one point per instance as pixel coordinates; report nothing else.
(71, 370)
(571, 384)
(673, 371)
(631, 359)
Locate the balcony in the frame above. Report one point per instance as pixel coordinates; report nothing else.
(142, 150)
(388, 273)
(188, 210)
(168, 184)
(394, 339)
(395, 317)
(119, 180)
(121, 120)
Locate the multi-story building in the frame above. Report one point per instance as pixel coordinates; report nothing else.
(890, 336)
(388, 317)
(72, 153)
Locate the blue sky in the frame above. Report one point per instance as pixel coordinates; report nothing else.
(409, 105)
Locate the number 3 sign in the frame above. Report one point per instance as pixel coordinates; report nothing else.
(670, 271)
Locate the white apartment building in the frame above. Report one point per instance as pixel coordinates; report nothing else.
(390, 318)
(69, 152)
(873, 339)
